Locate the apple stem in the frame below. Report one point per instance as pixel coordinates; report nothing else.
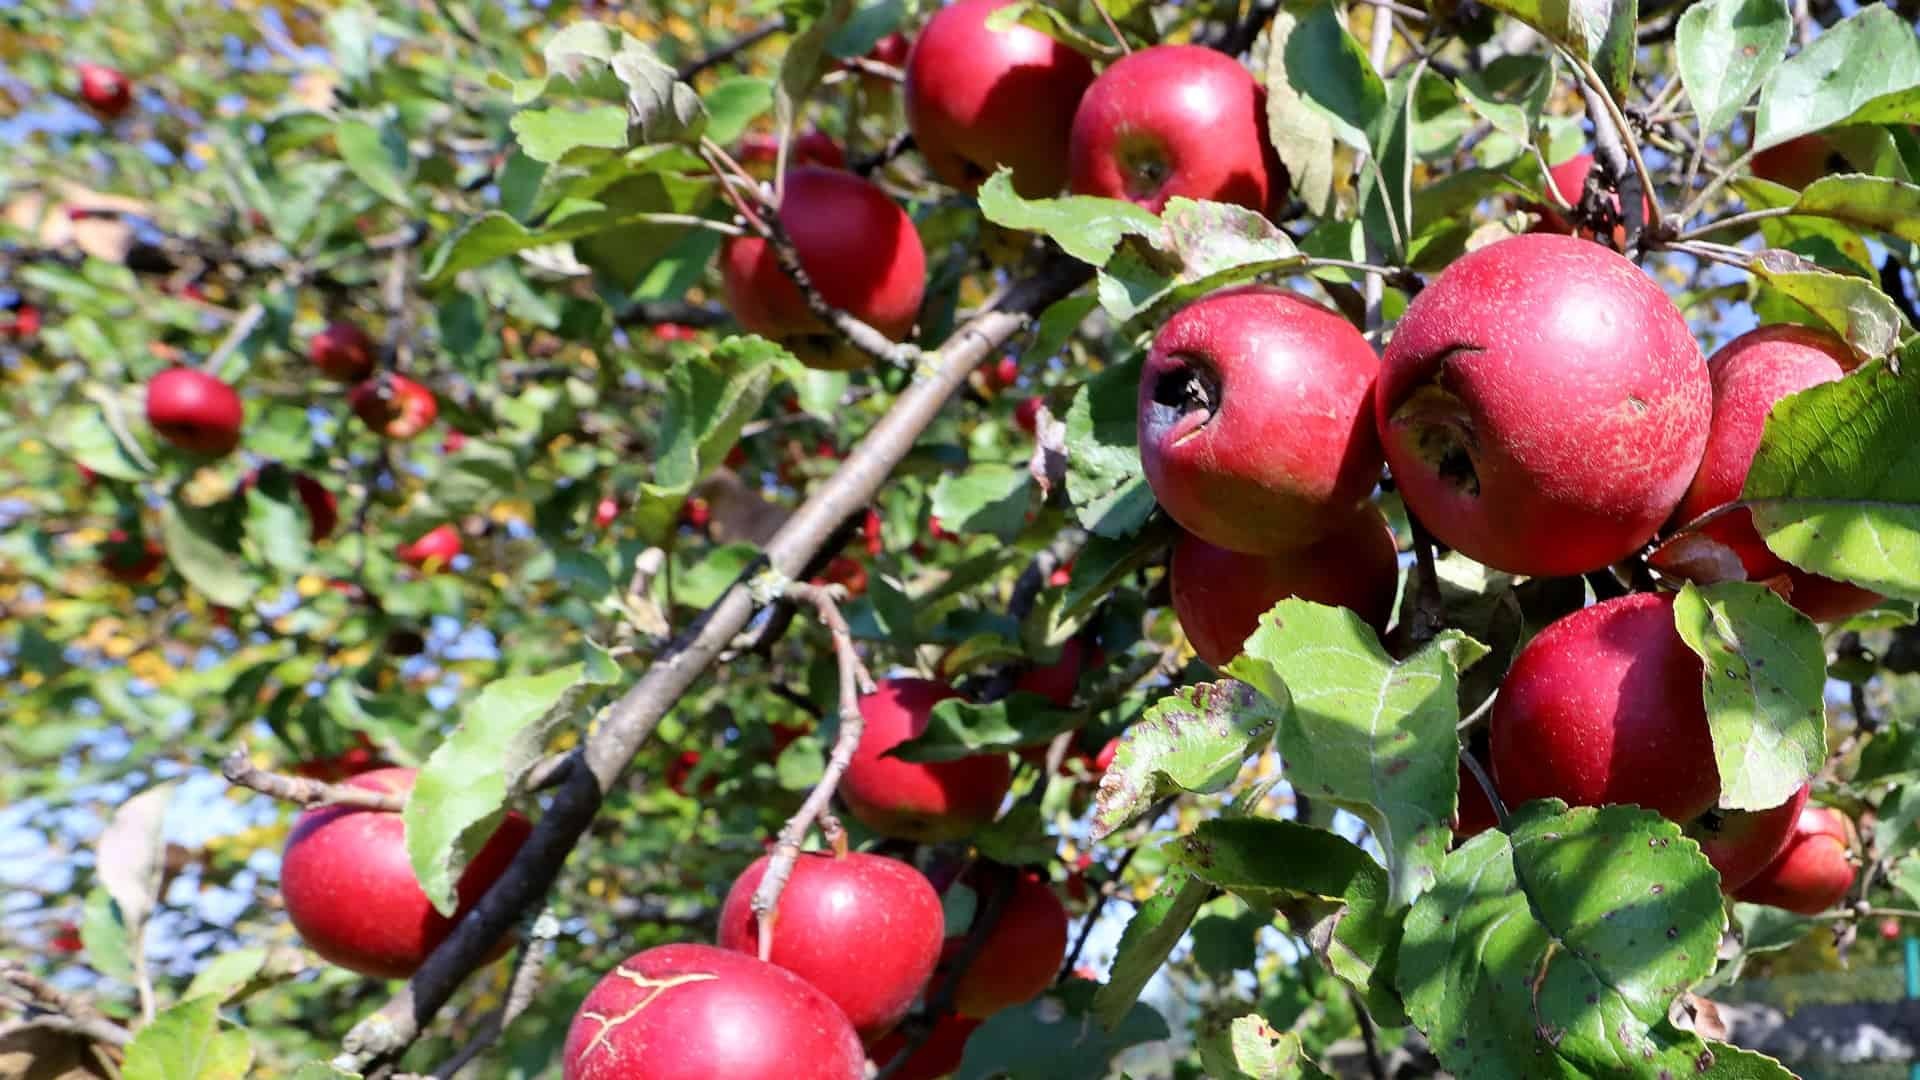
(240, 771)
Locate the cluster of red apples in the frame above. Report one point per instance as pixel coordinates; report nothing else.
(1543, 409)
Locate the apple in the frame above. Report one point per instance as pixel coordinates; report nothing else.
(1176, 120)
(1060, 680)
(670, 332)
(1473, 813)
(1569, 179)
(342, 352)
(978, 99)
(66, 940)
(681, 771)
(1605, 706)
(695, 513)
(350, 890)
(1026, 415)
(604, 512)
(323, 510)
(432, 550)
(845, 571)
(1022, 951)
(939, 1056)
(1219, 595)
(1543, 406)
(393, 405)
(454, 442)
(1001, 374)
(871, 534)
(194, 411)
(861, 251)
(361, 757)
(1254, 425)
(104, 90)
(23, 326)
(1750, 375)
(1797, 162)
(128, 560)
(759, 150)
(1815, 870)
(931, 802)
(697, 1012)
(863, 929)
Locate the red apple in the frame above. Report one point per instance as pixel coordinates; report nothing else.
(1815, 870)
(939, 1056)
(1750, 375)
(695, 513)
(1543, 406)
(1219, 595)
(931, 802)
(870, 532)
(24, 326)
(1741, 843)
(1060, 680)
(1000, 374)
(1026, 415)
(604, 513)
(1022, 952)
(130, 561)
(758, 151)
(105, 90)
(361, 757)
(1797, 162)
(323, 510)
(351, 892)
(696, 1012)
(863, 929)
(342, 352)
(860, 250)
(845, 571)
(393, 405)
(454, 442)
(66, 939)
(978, 99)
(1176, 120)
(681, 771)
(1569, 179)
(674, 332)
(1473, 812)
(1254, 425)
(194, 411)
(432, 550)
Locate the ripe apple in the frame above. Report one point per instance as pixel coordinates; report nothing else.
(860, 250)
(681, 771)
(845, 571)
(604, 513)
(1569, 178)
(978, 99)
(697, 1012)
(863, 929)
(1219, 595)
(1026, 415)
(930, 802)
(1060, 680)
(342, 352)
(23, 326)
(1750, 375)
(1254, 425)
(432, 550)
(870, 532)
(130, 561)
(939, 1056)
(393, 405)
(759, 150)
(1815, 870)
(361, 757)
(1543, 406)
(455, 441)
(1021, 953)
(351, 892)
(66, 941)
(323, 510)
(105, 90)
(1605, 706)
(1797, 162)
(1176, 120)
(194, 411)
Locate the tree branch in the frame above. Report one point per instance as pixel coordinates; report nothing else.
(730, 50)
(71, 1013)
(240, 771)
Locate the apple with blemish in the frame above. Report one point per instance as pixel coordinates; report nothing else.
(194, 411)
(1569, 180)
(393, 405)
(929, 802)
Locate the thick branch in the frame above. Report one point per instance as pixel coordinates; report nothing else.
(242, 772)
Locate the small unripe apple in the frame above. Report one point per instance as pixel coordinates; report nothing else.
(1255, 425)
(1176, 120)
(939, 1056)
(1543, 406)
(1219, 595)
(697, 1012)
(759, 150)
(351, 892)
(863, 929)
(1798, 162)
(931, 802)
(978, 99)
(105, 90)
(1751, 374)
(1022, 952)
(343, 352)
(1815, 870)
(432, 550)
(393, 405)
(130, 561)
(194, 411)
(861, 252)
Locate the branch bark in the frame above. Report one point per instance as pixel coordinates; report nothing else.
(240, 771)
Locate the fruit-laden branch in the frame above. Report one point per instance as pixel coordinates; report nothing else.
(627, 724)
(242, 772)
(67, 1011)
(855, 680)
(1614, 145)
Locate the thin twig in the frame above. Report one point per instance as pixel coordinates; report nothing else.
(78, 1015)
(1369, 1038)
(238, 332)
(1480, 777)
(1735, 221)
(240, 771)
(1113, 28)
(729, 50)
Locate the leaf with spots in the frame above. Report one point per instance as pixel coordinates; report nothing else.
(1249, 1048)
(1851, 306)
(1556, 950)
(1371, 736)
(1765, 679)
(1195, 739)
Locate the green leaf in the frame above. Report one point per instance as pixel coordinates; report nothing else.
(1223, 944)
(1853, 307)
(1058, 322)
(1331, 73)
(1835, 486)
(1600, 31)
(1085, 227)
(549, 135)
(1764, 928)
(1765, 679)
(1053, 23)
(958, 728)
(105, 938)
(1864, 70)
(1020, 838)
(1556, 951)
(1512, 95)
(735, 103)
(186, 1042)
(461, 792)
(1892, 755)
(1249, 1048)
(1051, 1039)
(378, 157)
(989, 498)
(1104, 563)
(1109, 492)
(99, 440)
(864, 30)
(1303, 135)
(1725, 49)
(1867, 202)
(1156, 927)
(801, 67)
(1199, 247)
(276, 523)
(130, 856)
(1194, 739)
(475, 477)
(1371, 736)
(225, 974)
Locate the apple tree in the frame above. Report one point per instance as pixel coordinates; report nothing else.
(995, 539)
